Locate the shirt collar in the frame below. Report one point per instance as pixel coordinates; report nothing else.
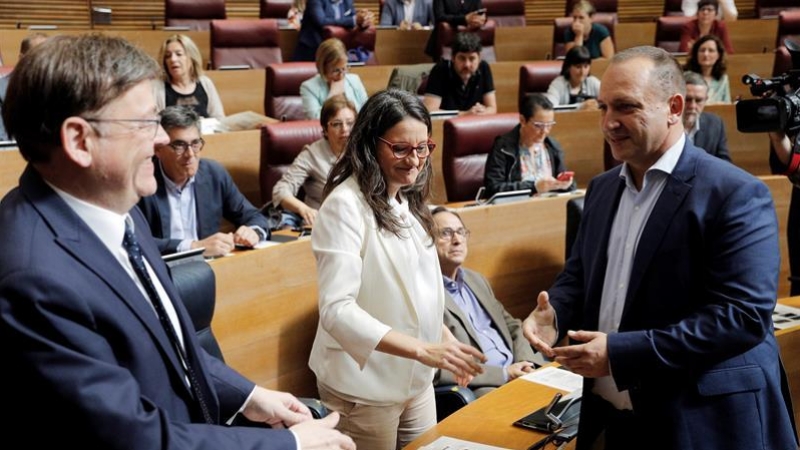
(107, 225)
(171, 185)
(666, 163)
(451, 285)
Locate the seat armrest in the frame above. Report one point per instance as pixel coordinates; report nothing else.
(450, 398)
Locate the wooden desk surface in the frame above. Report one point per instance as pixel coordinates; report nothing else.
(488, 420)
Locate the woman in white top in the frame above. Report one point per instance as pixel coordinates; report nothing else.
(184, 82)
(575, 85)
(332, 79)
(708, 59)
(310, 168)
(381, 296)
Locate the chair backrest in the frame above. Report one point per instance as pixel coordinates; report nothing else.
(446, 33)
(562, 24)
(788, 26)
(505, 13)
(536, 77)
(235, 42)
(668, 32)
(282, 99)
(574, 216)
(769, 9)
(275, 9)
(281, 142)
(467, 142)
(353, 38)
(196, 285)
(195, 14)
(673, 8)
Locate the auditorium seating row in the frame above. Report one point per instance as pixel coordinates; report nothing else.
(393, 47)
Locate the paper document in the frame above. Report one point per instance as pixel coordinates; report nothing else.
(448, 443)
(785, 316)
(556, 378)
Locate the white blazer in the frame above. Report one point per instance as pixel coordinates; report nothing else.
(370, 282)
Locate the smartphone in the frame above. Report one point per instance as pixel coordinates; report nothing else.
(481, 11)
(565, 176)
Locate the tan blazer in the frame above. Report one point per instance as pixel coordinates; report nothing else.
(370, 282)
(509, 327)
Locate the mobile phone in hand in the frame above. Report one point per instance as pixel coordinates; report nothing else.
(565, 176)
(481, 11)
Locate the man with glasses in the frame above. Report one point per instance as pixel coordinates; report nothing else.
(706, 130)
(475, 316)
(527, 157)
(463, 83)
(96, 338)
(193, 195)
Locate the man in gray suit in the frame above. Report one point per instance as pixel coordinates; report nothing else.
(474, 315)
(706, 130)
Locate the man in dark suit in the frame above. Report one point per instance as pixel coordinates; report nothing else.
(396, 12)
(705, 130)
(320, 13)
(474, 315)
(194, 194)
(668, 294)
(95, 339)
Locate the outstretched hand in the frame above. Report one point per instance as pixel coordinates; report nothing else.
(539, 327)
(278, 409)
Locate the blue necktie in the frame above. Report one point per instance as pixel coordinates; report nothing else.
(131, 245)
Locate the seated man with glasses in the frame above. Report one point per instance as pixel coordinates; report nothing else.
(464, 83)
(527, 157)
(474, 315)
(706, 130)
(193, 195)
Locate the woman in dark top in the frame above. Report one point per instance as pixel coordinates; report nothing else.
(184, 82)
(526, 157)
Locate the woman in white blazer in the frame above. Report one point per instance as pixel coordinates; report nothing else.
(381, 298)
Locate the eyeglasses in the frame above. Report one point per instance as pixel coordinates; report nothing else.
(338, 70)
(401, 150)
(543, 125)
(338, 124)
(448, 233)
(145, 123)
(180, 147)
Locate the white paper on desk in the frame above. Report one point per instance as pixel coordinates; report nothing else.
(448, 443)
(785, 316)
(555, 378)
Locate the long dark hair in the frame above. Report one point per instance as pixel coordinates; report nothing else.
(383, 111)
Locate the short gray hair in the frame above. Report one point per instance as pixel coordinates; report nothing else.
(179, 117)
(667, 73)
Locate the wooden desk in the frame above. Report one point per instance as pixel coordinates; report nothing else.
(488, 420)
(789, 342)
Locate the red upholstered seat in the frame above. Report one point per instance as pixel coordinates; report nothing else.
(275, 9)
(281, 142)
(505, 13)
(788, 27)
(771, 8)
(536, 77)
(467, 142)
(668, 32)
(353, 38)
(255, 43)
(673, 8)
(282, 91)
(195, 14)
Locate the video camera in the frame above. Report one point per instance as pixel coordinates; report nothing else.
(781, 110)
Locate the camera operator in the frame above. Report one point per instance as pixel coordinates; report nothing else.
(780, 160)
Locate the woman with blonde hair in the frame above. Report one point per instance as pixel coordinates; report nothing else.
(184, 82)
(331, 79)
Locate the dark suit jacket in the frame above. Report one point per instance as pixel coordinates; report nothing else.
(461, 327)
(711, 136)
(83, 345)
(453, 12)
(393, 12)
(695, 347)
(319, 13)
(216, 197)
